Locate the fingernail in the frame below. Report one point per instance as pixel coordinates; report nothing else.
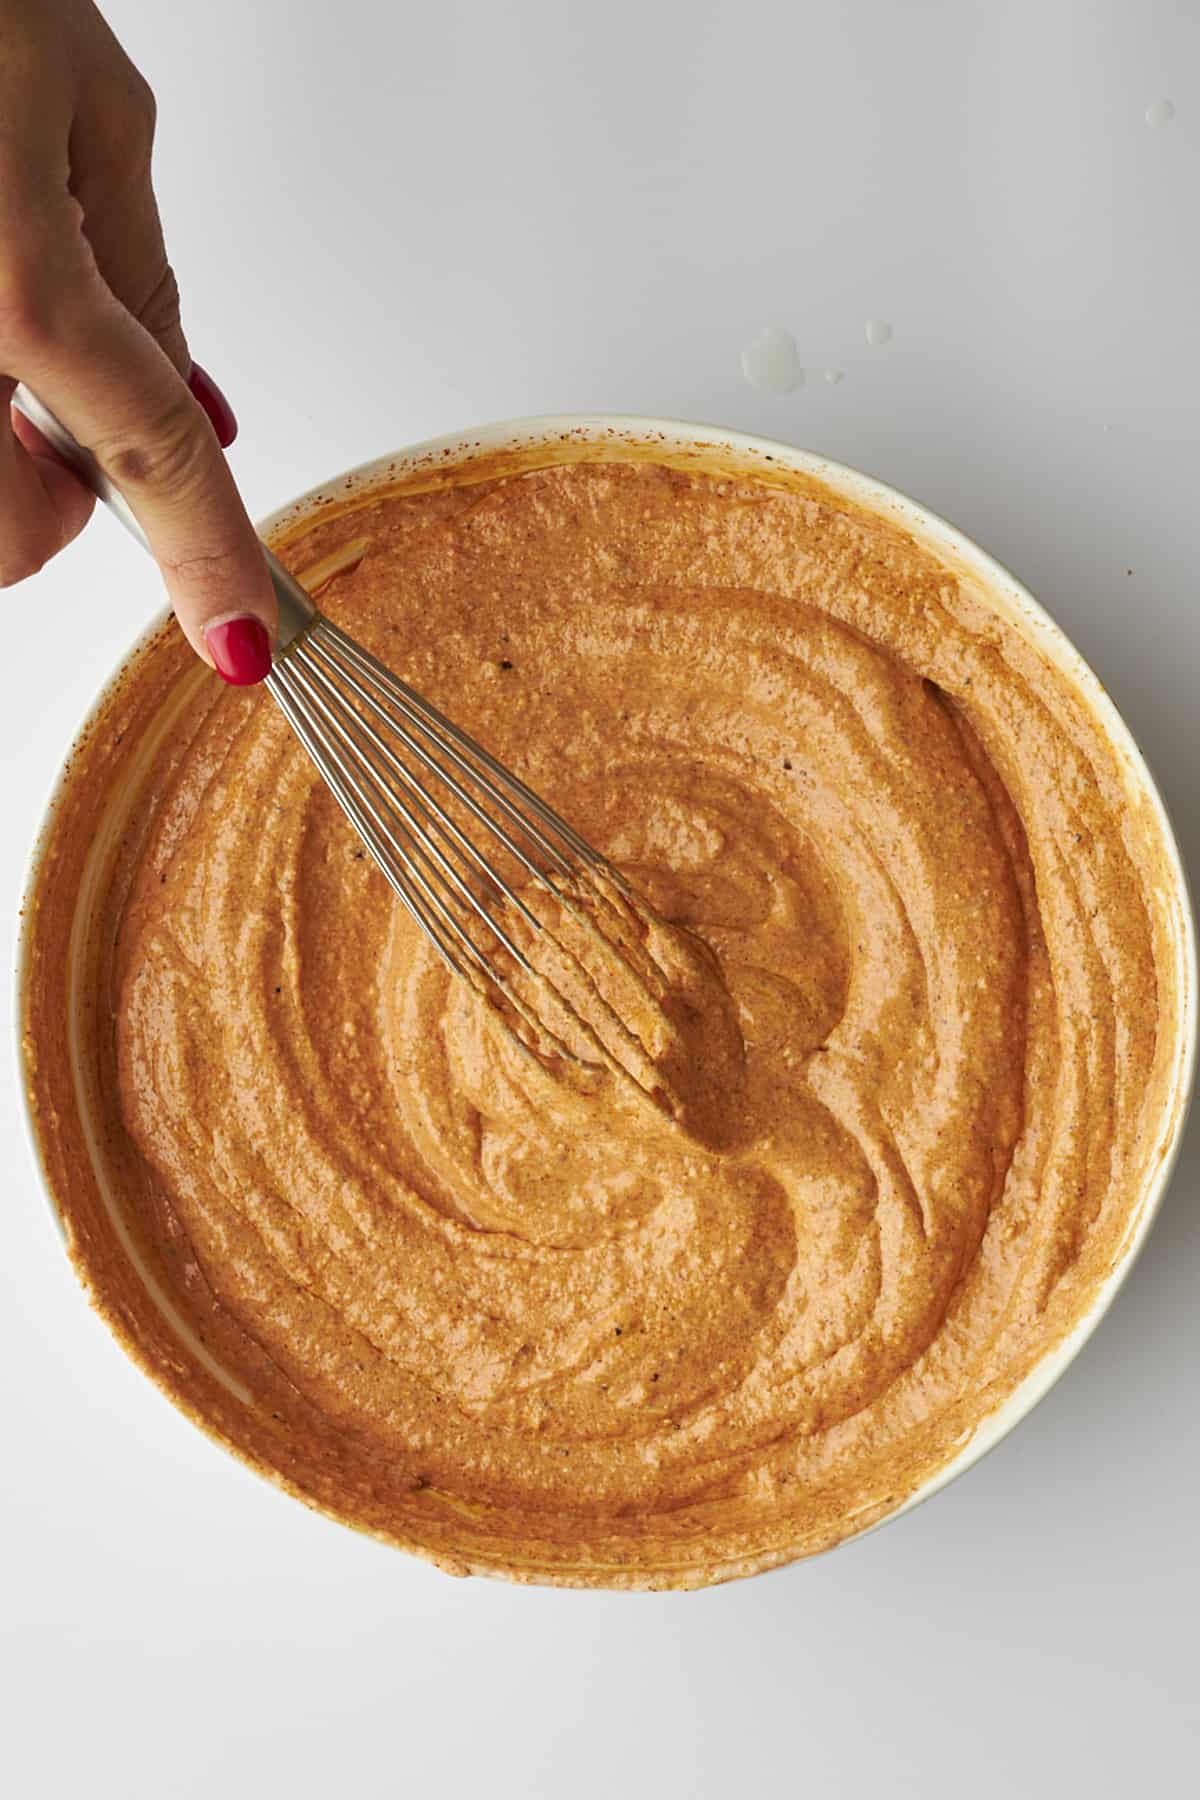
(240, 649)
(220, 413)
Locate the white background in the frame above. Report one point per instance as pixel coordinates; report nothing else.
(391, 220)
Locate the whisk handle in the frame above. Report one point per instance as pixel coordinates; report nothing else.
(296, 610)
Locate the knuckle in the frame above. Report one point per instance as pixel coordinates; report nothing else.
(135, 122)
(123, 119)
(169, 457)
(145, 108)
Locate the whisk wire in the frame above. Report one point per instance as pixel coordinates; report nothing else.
(370, 743)
(504, 789)
(476, 968)
(315, 743)
(413, 839)
(348, 728)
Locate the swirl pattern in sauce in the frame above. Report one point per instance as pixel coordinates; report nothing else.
(512, 1315)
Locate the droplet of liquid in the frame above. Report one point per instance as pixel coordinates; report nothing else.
(1160, 112)
(771, 361)
(878, 332)
(833, 376)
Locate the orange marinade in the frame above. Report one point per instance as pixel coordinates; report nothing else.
(519, 1320)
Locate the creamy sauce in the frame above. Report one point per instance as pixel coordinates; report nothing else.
(513, 1314)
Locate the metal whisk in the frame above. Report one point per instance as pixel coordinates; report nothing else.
(513, 899)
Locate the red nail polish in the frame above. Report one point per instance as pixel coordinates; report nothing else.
(220, 413)
(241, 650)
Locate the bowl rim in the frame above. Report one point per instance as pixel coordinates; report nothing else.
(639, 436)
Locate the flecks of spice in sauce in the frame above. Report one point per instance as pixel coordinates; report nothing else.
(815, 752)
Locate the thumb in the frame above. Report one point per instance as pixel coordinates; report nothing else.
(130, 405)
(116, 391)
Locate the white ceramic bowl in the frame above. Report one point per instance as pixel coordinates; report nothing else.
(589, 438)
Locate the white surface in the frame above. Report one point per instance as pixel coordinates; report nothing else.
(564, 207)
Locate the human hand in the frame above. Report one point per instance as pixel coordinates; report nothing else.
(89, 320)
